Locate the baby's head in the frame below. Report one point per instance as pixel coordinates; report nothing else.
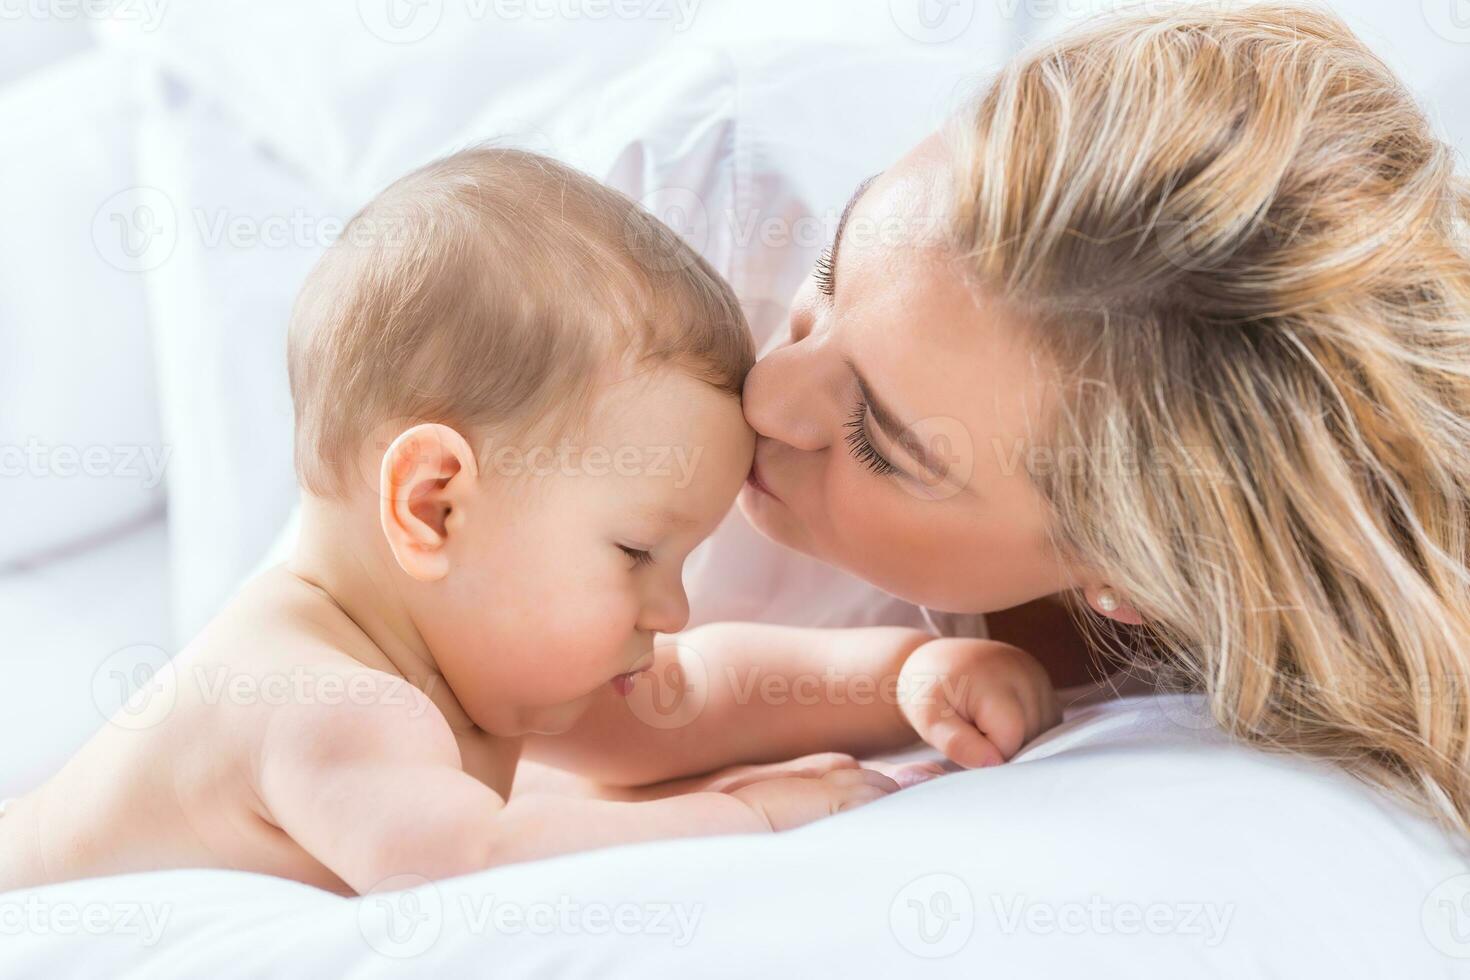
(521, 392)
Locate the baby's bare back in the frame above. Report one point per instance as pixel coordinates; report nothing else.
(174, 779)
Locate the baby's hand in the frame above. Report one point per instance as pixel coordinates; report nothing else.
(792, 801)
(977, 701)
(731, 778)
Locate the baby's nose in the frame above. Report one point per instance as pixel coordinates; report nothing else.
(669, 613)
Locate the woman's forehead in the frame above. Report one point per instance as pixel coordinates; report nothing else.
(906, 205)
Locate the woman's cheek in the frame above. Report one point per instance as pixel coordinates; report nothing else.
(856, 513)
(882, 531)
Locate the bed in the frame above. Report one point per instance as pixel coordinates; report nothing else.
(1133, 841)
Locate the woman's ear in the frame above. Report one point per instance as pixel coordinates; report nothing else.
(426, 473)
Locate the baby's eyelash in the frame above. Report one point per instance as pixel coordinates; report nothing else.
(639, 557)
(825, 273)
(862, 449)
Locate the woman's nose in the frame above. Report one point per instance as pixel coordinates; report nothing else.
(801, 322)
(788, 393)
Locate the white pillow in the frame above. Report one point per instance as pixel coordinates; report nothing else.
(351, 100)
(27, 44)
(81, 451)
(354, 94)
(246, 231)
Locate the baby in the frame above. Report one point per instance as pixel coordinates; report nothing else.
(517, 412)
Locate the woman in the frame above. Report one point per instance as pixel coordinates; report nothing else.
(1172, 325)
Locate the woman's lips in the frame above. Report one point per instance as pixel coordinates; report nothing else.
(754, 480)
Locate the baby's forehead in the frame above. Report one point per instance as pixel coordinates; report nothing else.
(666, 405)
(665, 439)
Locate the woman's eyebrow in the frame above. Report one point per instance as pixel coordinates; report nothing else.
(857, 195)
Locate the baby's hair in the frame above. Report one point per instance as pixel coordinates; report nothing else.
(494, 291)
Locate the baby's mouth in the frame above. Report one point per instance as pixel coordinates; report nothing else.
(623, 683)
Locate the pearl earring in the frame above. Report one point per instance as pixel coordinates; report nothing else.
(1107, 600)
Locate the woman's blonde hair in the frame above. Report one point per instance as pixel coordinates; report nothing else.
(1240, 244)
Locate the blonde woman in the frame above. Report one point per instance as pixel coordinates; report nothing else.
(1173, 325)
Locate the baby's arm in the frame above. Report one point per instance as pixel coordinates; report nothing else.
(373, 791)
(759, 693)
(743, 692)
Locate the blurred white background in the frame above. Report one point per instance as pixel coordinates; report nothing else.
(172, 168)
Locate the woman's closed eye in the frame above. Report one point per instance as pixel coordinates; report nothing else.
(824, 273)
(861, 447)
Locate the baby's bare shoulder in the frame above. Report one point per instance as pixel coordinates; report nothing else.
(298, 678)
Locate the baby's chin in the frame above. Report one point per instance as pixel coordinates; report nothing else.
(556, 719)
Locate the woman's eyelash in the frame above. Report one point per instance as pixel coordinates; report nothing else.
(825, 273)
(639, 557)
(862, 450)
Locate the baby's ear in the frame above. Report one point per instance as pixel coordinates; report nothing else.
(427, 472)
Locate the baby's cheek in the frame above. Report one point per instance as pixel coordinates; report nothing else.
(563, 600)
(591, 629)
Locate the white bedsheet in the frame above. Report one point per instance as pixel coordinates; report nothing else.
(1130, 842)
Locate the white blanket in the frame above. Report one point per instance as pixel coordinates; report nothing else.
(1133, 841)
